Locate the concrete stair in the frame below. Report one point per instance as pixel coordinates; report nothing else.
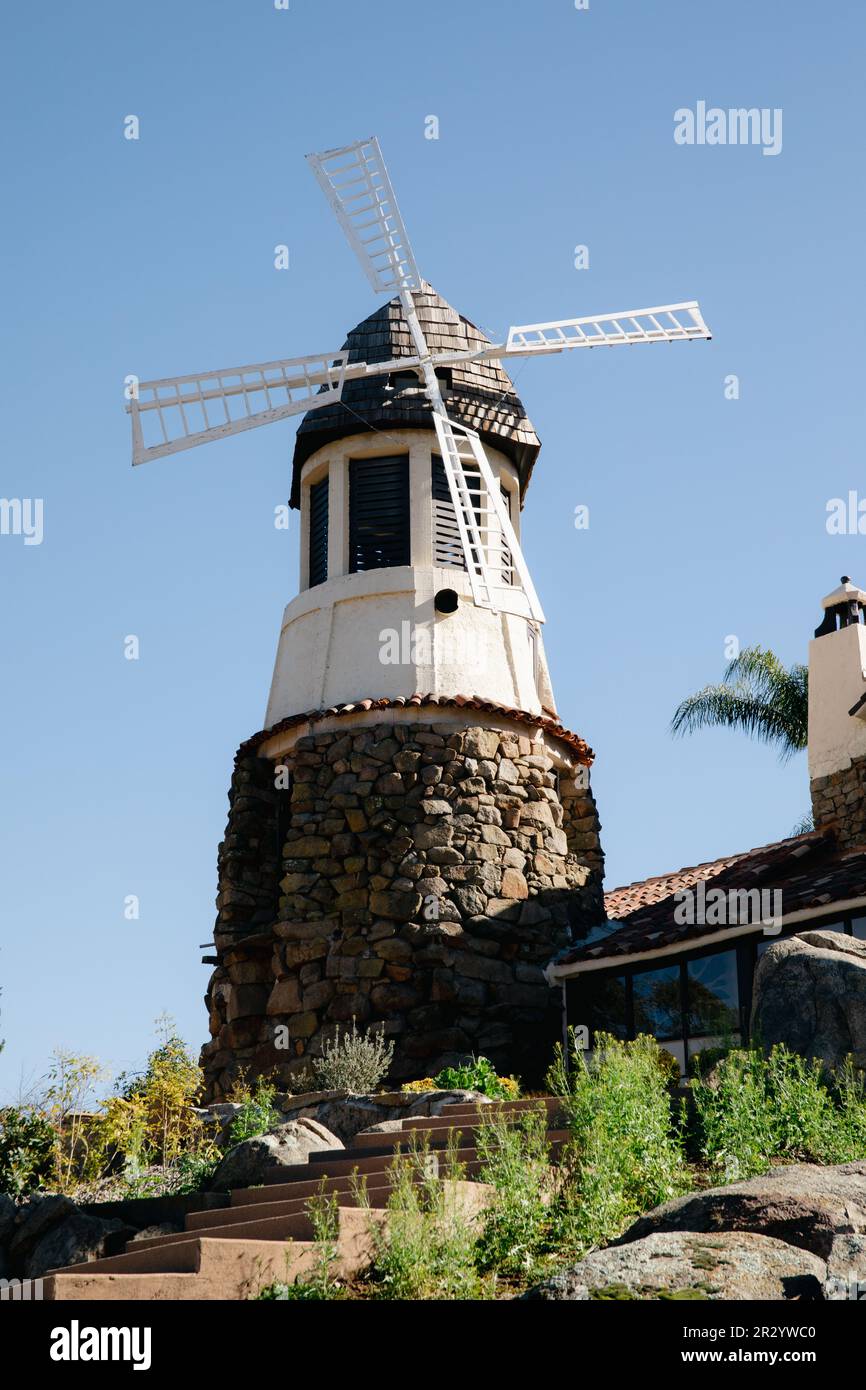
(265, 1234)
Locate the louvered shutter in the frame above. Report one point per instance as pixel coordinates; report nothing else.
(378, 513)
(319, 532)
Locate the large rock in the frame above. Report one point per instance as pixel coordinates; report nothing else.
(77, 1239)
(810, 994)
(807, 1206)
(682, 1265)
(249, 1163)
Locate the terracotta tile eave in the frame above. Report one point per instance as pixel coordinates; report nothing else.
(552, 727)
(599, 957)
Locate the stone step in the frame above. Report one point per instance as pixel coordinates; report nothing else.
(203, 1268)
(471, 1109)
(200, 1222)
(374, 1170)
(261, 1224)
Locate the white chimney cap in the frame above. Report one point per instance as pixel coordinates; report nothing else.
(846, 593)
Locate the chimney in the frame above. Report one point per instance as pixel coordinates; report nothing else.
(837, 715)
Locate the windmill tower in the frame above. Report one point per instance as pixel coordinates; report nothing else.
(412, 835)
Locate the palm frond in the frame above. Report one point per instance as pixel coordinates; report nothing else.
(759, 696)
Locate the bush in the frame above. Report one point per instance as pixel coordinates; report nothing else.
(516, 1162)
(257, 1115)
(28, 1152)
(357, 1062)
(626, 1153)
(426, 1248)
(478, 1075)
(154, 1116)
(753, 1109)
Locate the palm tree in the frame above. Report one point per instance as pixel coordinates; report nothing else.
(758, 695)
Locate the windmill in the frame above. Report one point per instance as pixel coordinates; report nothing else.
(182, 412)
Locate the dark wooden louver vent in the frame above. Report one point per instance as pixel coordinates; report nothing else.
(378, 513)
(319, 532)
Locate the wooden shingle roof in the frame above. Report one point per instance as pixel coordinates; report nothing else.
(481, 395)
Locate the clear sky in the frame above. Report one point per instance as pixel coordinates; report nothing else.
(156, 256)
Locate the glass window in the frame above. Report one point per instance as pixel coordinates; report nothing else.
(607, 1008)
(858, 928)
(712, 995)
(657, 1008)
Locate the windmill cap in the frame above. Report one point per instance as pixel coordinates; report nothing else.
(846, 593)
(478, 394)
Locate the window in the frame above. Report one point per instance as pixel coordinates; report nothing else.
(858, 928)
(319, 532)
(712, 995)
(378, 513)
(657, 1007)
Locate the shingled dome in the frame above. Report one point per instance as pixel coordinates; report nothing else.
(477, 394)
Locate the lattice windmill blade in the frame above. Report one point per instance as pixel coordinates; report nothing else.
(183, 411)
(355, 181)
(667, 323)
(489, 543)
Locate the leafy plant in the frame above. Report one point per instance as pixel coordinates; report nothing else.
(355, 1062)
(28, 1151)
(754, 1108)
(626, 1151)
(164, 1097)
(69, 1088)
(515, 1157)
(426, 1247)
(478, 1075)
(257, 1115)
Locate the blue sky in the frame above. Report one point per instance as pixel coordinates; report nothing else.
(707, 516)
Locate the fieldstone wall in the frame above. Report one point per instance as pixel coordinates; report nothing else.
(839, 801)
(426, 877)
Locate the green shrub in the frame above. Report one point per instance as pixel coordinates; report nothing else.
(754, 1108)
(517, 1226)
(257, 1114)
(626, 1152)
(478, 1075)
(28, 1151)
(426, 1247)
(355, 1062)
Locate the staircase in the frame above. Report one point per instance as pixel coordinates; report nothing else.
(264, 1234)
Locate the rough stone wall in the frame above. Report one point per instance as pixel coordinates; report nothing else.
(839, 801)
(427, 877)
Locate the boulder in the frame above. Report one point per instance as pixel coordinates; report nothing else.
(682, 1265)
(34, 1218)
(77, 1239)
(805, 1205)
(810, 994)
(248, 1163)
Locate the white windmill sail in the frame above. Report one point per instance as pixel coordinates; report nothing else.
(188, 410)
(356, 184)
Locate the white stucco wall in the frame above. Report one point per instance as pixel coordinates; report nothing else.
(338, 639)
(837, 679)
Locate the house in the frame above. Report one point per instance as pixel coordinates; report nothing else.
(677, 955)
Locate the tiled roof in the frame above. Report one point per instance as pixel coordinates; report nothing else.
(553, 727)
(481, 395)
(808, 869)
